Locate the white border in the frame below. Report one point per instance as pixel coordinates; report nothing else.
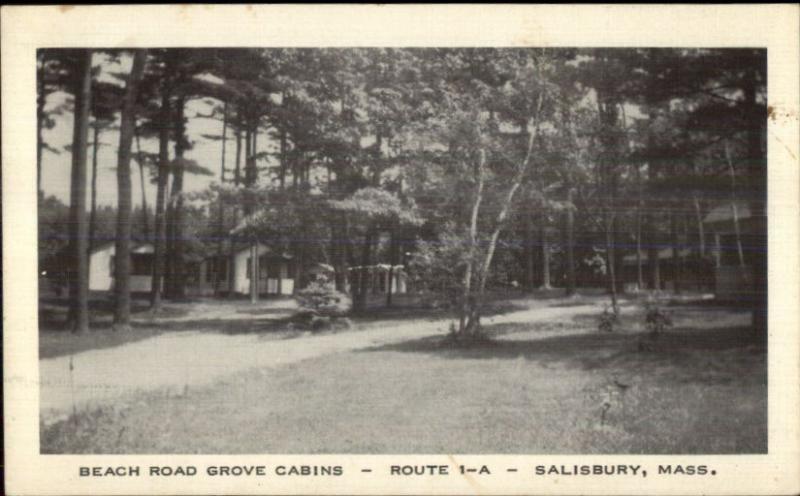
(26, 28)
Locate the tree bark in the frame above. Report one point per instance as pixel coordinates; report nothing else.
(611, 260)
(237, 173)
(473, 322)
(570, 248)
(639, 271)
(232, 260)
(545, 253)
(237, 179)
(140, 161)
(79, 277)
(160, 227)
(652, 256)
(734, 208)
(467, 302)
(393, 255)
(758, 185)
(360, 300)
(122, 257)
(701, 232)
(221, 212)
(93, 206)
(254, 272)
(40, 102)
(527, 256)
(176, 276)
(676, 266)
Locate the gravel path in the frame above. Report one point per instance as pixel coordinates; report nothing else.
(180, 360)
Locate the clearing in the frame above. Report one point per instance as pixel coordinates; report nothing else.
(548, 382)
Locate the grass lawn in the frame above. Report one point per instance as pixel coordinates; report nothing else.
(699, 390)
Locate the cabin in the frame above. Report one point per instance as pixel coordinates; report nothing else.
(731, 225)
(210, 276)
(692, 271)
(276, 271)
(101, 267)
(380, 278)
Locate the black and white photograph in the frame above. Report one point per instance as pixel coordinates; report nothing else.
(291, 257)
(403, 250)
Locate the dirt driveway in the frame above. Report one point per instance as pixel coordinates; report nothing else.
(179, 361)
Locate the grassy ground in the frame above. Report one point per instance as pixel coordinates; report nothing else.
(698, 389)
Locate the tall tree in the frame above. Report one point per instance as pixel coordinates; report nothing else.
(122, 256)
(79, 274)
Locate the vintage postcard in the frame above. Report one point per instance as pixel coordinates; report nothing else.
(401, 249)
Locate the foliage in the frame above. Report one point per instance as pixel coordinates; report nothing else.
(607, 320)
(321, 298)
(656, 319)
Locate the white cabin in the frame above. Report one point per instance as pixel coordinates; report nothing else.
(101, 267)
(276, 272)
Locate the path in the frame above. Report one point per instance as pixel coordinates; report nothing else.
(191, 359)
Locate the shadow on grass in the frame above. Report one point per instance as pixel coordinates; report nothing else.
(413, 312)
(222, 326)
(678, 348)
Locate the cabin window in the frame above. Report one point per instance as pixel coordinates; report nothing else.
(141, 264)
(263, 267)
(274, 270)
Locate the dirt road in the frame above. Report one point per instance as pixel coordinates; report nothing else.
(184, 360)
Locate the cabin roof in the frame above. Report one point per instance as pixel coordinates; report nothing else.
(724, 213)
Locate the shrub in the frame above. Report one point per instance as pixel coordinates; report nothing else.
(607, 320)
(656, 319)
(321, 298)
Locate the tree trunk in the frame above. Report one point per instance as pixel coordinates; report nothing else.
(221, 212)
(79, 277)
(611, 261)
(676, 267)
(160, 227)
(40, 101)
(122, 257)
(177, 272)
(526, 256)
(652, 256)
(249, 178)
(254, 272)
(93, 206)
(701, 232)
(570, 231)
(758, 185)
(237, 180)
(639, 271)
(473, 323)
(340, 246)
(393, 255)
(360, 300)
(467, 302)
(237, 173)
(232, 261)
(140, 161)
(734, 208)
(639, 208)
(545, 253)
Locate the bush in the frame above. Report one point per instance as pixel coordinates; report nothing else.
(321, 298)
(607, 320)
(656, 319)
